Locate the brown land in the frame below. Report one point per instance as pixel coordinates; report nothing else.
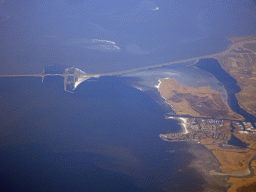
(213, 134)
(240, 62)
(196, 102)
(244, 184)
(233, 161)
(237, 162)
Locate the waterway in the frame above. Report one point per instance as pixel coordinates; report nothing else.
(213, 66)
(237, 142)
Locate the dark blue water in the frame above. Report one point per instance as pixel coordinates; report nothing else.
(104, 137)
(213, 66)
(237, 142)
(38, 170)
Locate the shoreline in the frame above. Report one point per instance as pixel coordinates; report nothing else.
(195, 102)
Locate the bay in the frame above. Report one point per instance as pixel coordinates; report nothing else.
(104, 137)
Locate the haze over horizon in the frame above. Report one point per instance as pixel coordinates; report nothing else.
(133, 96)
(99, 36)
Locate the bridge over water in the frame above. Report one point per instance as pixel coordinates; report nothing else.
(74, 76)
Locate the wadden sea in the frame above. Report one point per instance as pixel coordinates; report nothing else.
(105, 136)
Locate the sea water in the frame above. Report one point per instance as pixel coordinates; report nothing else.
(104, 36)
(103, 137)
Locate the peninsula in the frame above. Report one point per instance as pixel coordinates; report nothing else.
(203, 113)
(195, 102)
(202, 103)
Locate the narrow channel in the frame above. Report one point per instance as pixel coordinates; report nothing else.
(213, 66)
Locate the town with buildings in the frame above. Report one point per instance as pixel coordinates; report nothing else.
(218, 130)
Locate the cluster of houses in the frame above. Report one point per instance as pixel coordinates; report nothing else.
(205, 124)
(246, 128)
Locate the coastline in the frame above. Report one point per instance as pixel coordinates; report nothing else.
(241, 68)
(195, 102)
(236, 62)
